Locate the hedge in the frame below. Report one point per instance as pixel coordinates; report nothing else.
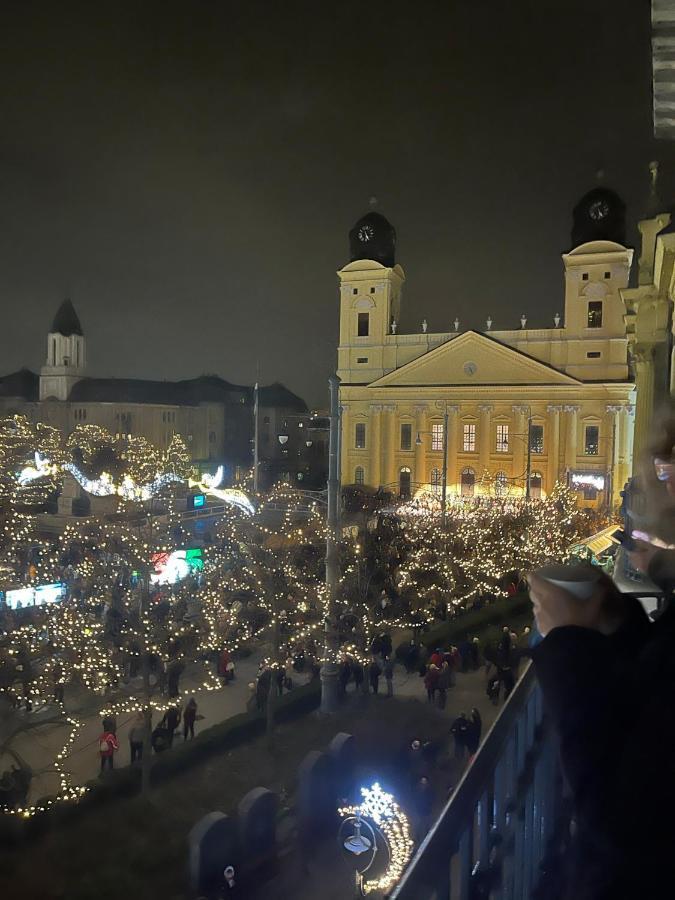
(126, 782)
(467, 624)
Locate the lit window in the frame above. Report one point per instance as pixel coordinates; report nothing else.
(358, 475)
(501, 484)
(535, 485)
(436, 481)
(468, 482)
(502, 438)
(363, 325)
(537, 438)
(591, 440)
(437, 435)
(469, 438)
(406, 436)
(360, 436)
(595, 314)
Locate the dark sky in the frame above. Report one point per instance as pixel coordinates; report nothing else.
(188, 171)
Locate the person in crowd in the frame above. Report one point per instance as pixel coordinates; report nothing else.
(136, 734)
(223, 661)
(459, 730)
(357, 670)
(493, 687)
(597, 673)
(171, 721)
(389, 675)
(431, 681)
(437, 658)
(262, 690)
(423, 803)
(175, 670)
(475, 654)
(443, 684)
(189, 718)
(288, 674)
(374, 672)
(385, 644)
(473, 733)
(251, 700)
(57, 678)
(108, 745)
(344, 675)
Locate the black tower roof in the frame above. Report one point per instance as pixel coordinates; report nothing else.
(373, 237)
(66, 321)
(600, 215)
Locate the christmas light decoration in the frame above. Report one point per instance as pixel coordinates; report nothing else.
(392, 823)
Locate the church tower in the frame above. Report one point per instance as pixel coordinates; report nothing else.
(66, 359)
(370, 299)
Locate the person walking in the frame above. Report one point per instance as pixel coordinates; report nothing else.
(357, 670)
(423, 803)
(108, 745)
(389, 675)
(136, 734)
(443, 684)
(431, 682)
(189, 718)
(459, 730)
(374, 672)
(473, 733)
(171, 721)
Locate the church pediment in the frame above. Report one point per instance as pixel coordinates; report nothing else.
(474, 359)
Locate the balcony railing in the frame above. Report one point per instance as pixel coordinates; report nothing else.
(499, 824)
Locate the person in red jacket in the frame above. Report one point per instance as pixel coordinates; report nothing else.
(108, 745)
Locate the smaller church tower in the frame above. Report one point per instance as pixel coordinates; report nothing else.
(66, 359)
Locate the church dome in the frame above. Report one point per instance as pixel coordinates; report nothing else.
(373, 237)
(600, 215)
(66, 321)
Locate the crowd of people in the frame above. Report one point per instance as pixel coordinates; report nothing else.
(161, 736)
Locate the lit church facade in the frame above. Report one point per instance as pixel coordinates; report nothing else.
(565, 390)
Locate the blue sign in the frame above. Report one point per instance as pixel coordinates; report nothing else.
(198, 501)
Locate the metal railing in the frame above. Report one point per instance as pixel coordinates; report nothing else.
(497, 827)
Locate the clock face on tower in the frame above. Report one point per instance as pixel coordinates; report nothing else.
(366, 233)
(598, 210)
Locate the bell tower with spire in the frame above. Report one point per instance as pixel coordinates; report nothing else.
(66, 356)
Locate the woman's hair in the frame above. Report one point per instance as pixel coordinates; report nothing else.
(652, 507)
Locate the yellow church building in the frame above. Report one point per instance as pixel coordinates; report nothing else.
(565, 390)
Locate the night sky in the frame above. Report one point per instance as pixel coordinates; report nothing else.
(187, 172)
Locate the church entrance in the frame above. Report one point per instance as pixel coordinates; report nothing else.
(404, 482)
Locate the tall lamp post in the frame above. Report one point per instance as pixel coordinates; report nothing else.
(444, 476)
(256, 459)
(329, 669)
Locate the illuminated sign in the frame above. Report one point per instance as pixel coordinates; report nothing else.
(173, 567)
(581, 480)
(42, 595)
(198, 501)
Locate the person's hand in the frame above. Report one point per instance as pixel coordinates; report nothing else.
(555, 607)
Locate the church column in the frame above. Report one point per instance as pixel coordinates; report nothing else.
(553, 448)
(519, 445)
(346, 425)
(420, 475)
(389, 469)
(453, 444)
(484, 438)
(375, 477)
(643, 358)
(612, 453)
(571, 437)
(625, 426)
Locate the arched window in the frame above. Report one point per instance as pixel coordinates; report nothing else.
(436, 481)
(468, 482)
(358, 475)
(404, 482)
(501, 484)
(535, 485)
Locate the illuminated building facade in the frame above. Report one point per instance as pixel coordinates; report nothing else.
(214, 417)
(568, 388)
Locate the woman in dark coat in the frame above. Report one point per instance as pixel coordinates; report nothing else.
(474, 733)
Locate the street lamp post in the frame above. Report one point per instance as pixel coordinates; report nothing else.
(329, 669)
(529, 457)
(256, 460)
